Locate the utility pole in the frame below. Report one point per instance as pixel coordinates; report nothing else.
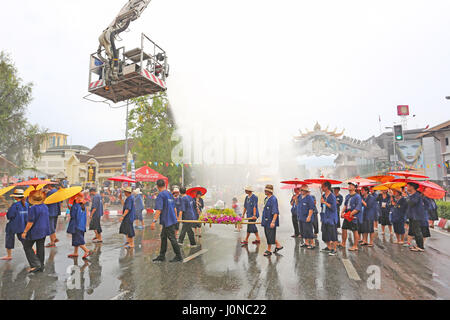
(126, 140)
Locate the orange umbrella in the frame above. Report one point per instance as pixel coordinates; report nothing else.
(34, 182)
(390, 185)
(431, 189)
(322, 180)
(381, 179)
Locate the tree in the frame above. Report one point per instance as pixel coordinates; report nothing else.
(152, 125)
(19, 139)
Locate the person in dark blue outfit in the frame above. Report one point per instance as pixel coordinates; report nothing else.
(17, 218)
(251, 209)
(328, 219)
(165, 211)
(96, 215)
(369, 206)
(315, 220)
(270, 220)
(305, 215)
(77, 226)
(186, 213)
(36, 230)
(425, 223)
(198, 207)
(54, 211)
(352, 206)
(177, 198)
(295, 222)
(139, 207)
(398, 215)
(374, 193)
(127, 219)
(339, 202)
(384, 202)
(415, 214)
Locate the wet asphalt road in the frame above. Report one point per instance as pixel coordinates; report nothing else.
(224, 270)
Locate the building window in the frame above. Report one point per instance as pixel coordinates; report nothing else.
(446, 141)
(59, 141)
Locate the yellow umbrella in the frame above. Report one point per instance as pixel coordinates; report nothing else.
(63, 194)
(39, 187)
(6, 190)
(27, 192)
(390, 185)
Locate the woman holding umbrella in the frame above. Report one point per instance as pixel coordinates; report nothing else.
(77, 226)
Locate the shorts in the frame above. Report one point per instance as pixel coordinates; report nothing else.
(271, 234)
(384, 219)
(10, 241)
(95, 224)
(251, 228)
(329, 232)
(53, 221)
(367, 227)
(126, 228)
(399, 227)
(346, 225)
(307, 230)
(78, 238)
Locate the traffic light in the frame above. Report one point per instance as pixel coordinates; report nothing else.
(398, 132)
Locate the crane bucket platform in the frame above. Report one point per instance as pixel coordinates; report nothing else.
(140, 71)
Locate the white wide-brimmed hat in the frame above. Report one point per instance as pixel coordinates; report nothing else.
(249, 188)
(137, 191)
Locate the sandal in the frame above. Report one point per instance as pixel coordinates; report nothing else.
(6, 258)
(256, 241)
(50, 245)
(267, 253)
(308, 246)
(353, 249)
(72, 255)
(277, 249)
(87, 254)
(370, 245)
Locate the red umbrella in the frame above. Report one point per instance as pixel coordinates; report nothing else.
(358, 180)
(322, 180)
(291, 186)
(430, 189)
(34, 182)
(193, 191)
(408, 174)
(122, 179)
(295, 181)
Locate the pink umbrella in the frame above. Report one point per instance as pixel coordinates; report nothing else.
(322, 180)
(34, 182)
(294, 182)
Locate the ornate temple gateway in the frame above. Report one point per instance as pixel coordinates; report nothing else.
(354, 157)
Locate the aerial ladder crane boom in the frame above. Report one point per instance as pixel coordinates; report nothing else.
(127, 74)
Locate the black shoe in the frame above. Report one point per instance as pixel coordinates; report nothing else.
(277, 249)
(36, 270)
(159, 258)
(177, 259)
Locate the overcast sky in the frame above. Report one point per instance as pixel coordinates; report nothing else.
(237, 63)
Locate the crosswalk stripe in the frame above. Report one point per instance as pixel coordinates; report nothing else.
(351, 271)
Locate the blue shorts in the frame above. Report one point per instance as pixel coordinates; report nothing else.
(10, 241)
(399, 227)
(78, 238)
(307, 230)
(271, 234)
(329, 232)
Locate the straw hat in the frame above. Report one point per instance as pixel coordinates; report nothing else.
(79, 198)
(249, 188)
(269, 188)
(36, 197)
(304, 188)
(128, 189)
(18, 193)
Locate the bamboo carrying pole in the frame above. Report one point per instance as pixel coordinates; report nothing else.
(199, 221)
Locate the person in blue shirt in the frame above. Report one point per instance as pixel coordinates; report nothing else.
(186, 213)
(415, 214)
(17, 218)
(165, 211)
(374, 193)
(139, 207)
(36, 230)
(432, 212)
(270, 220)
(77, 226)
(425, 223)
(353, 206)
(305, 215)
(198, 207)
(328, 219)
(127, 219)
(252, 212)
(295, 222)
(369, 206)
(54, 210)
(398, 215)
(315, 220)
(96, 215)
(339, 202)
(384, 202)
(177, 198)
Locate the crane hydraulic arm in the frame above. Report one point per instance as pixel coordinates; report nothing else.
(130, 12)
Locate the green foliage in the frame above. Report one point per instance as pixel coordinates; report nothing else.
(17, 135)
(152, 125)
(443, 208)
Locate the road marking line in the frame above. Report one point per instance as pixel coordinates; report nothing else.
(119, 295)
(187, 259)
(442, 232)
(351, 271)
